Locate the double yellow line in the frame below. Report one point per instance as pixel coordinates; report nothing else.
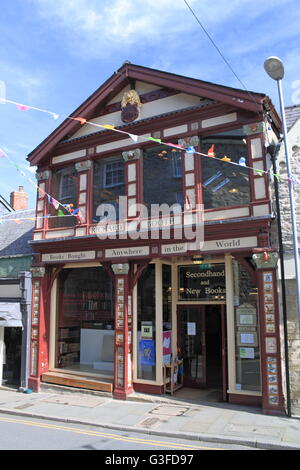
(116, 437)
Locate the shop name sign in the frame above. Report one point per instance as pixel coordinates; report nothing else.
(127, 252)
(214, 245)
(70, 256)
(202, 282)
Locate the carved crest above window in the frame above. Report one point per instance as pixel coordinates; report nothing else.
(130, 105)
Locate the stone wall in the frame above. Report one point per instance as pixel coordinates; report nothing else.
(290, 283)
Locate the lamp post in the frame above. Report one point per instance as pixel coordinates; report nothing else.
(275, 69)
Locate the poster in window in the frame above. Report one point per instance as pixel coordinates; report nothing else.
(147, 352)
(167, 347)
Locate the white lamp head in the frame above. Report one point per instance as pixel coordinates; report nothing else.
(274, 68)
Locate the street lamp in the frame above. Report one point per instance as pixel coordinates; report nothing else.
(275, 69)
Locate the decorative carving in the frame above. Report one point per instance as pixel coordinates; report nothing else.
(120, 268)
(43, 175)
(132, 154)
(130, 105)
(189, 141)
(265, 260)
(83, 166)
(38, 271)
(257, 128)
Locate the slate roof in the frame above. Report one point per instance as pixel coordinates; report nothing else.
(15, 237)
(292, 114)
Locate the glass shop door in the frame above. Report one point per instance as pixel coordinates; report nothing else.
(192, 345)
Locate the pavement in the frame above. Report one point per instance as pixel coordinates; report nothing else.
(177, 416)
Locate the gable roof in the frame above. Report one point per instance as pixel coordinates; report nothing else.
(250, 101)
(292, 114)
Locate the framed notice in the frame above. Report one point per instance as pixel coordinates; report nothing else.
(247, 339)
(247, 353)
(246, 315)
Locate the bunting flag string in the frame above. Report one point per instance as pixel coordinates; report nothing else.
(72, 212)
(211, 152)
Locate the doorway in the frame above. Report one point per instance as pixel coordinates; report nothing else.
(201, 341)
(12, 356)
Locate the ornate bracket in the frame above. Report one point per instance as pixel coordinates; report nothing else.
(265, 260)
(83, 166)
(132, 155)
(189, 141)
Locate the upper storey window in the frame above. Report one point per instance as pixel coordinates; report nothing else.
(64, 189)
(162, 176)
(108, 186)
(224, 184)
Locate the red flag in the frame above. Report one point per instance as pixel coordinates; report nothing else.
(211, 152)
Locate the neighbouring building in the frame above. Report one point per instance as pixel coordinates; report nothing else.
(16, 256)
(116, 302)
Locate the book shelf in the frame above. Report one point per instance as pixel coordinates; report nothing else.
(82, 309)
(173, 380)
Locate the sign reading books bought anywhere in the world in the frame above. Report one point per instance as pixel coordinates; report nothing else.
(202, 282)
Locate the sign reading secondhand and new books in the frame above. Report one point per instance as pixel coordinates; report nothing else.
(202, 282)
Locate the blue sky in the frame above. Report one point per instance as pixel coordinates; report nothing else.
(54, 54)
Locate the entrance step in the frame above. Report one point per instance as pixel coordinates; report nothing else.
(78, 381)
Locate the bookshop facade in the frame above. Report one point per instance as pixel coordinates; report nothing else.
(133, 302)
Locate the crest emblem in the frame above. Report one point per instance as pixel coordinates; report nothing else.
(130, 105)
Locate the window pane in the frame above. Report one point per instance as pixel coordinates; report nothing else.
(64, 189)
(109, 184)
(85, 328)
(162, 176)
(246, 330)
(146, 334)
(224, 184)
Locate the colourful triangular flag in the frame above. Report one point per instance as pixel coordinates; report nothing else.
(134, 137)
(22, 107)
(211, 152)
(155, 140)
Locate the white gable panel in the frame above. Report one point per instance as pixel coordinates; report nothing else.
(154, 108)
(140, 88)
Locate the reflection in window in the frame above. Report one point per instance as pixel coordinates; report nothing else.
(64, 190)
(109, 184)
(224, 184)
(246, 330)
(146, 331)
(162, 176)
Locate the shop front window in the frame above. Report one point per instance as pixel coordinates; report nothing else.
(64, 190)
(146, 331)
(85, 326)
(162, 176)
(108, 186)
(247, 351)
(224, 184)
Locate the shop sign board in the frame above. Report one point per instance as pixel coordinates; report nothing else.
(69, 256)
(127, 252)
(202, 282)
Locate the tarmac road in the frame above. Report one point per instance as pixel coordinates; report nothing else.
(19, 433)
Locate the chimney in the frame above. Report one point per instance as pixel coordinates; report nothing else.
(19, 199)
